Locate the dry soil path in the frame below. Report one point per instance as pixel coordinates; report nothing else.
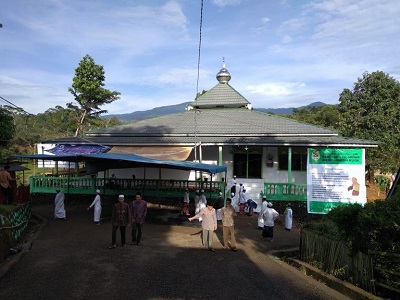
(71, 260)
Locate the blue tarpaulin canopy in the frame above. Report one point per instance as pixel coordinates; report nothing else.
(105, 161)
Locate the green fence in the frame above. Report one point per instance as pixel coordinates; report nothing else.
(157, 188)
(12, 226)
(285, 191)
(112, 186)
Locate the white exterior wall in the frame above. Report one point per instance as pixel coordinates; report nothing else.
(151, 173)
(269, 174)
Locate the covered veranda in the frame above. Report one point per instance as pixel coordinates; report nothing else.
(75, 183)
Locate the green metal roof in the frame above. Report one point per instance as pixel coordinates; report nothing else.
(221, 95)
(217, 122)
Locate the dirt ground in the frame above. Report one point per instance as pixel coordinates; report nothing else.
(374, 193)
(71, 260)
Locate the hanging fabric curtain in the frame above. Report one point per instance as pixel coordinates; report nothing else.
(62, 149)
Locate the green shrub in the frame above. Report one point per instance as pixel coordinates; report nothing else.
(324, 227)
(382, 181)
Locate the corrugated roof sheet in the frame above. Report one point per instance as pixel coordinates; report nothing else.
(221, 95)
(300, 141)
(218, 122)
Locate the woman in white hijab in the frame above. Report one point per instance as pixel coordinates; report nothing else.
(97, 208)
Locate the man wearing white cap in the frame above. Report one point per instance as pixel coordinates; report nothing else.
(121, 216)
(261, 214)
(269, 215)
(97, 208)
(233, 185)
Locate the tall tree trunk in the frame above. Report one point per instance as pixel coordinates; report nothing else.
(81, 120)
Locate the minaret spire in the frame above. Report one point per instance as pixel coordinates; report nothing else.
(223, 75)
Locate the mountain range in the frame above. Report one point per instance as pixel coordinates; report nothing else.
(170, 109)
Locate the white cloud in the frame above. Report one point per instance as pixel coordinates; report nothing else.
(265, 20)
(276, 88)
(222, 3)
(278, 52)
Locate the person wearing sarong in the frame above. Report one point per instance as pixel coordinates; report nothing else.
(97, 208)
(288, 217)
(242, 201)
(121, 217)
(186, 200)
(209, 224)
(269, 215)
(59, 209)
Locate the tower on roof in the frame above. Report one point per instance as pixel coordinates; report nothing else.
(223, 75)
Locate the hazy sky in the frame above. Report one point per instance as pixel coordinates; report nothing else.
(280, 53)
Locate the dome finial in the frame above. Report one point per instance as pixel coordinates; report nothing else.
(223, 75)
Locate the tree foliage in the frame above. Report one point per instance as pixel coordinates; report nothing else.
(326, 115)
(7, 126)
(372, 111)
(57, 122)
(89, 92)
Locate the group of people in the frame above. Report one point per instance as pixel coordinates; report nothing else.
(61, 214)
(242, 202)
(207, 212)
(268, 215)
(124, 214)
(209, 224)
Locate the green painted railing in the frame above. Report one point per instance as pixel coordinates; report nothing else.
(156, 187)
(16, 221)
(148, 187)
(285, 191)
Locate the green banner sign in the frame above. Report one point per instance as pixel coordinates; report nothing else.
(336, 156)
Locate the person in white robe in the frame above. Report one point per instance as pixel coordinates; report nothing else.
(235, 202)
(97, 208)
(288, 217)
(219, 204)
(260, 220)
(202, 202)
(197, 202)
(59, 209)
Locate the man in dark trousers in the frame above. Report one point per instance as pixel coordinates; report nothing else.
(139, 212)
(5, 178)
(121, 216)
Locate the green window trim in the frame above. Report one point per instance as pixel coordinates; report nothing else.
(299, 159)
(247, 162)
